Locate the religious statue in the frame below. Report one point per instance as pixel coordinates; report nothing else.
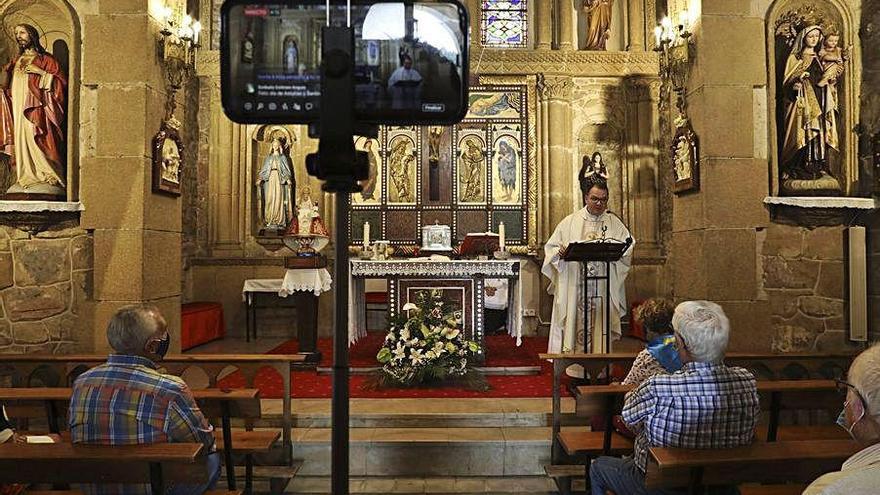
(291, 56)
(368, 186)
(507, 165)
(598, 14)
(401, 169)
(681, 159)
(170, 162)
(33, 109)
(471, 174)
(275, 182)
(810, 109)
(593, 169)
(307, 234)
(435, 132)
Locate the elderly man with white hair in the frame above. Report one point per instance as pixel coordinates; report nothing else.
(129, 401)
(705, 405)
(860, 474)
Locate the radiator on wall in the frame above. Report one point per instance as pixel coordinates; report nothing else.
(857, 286)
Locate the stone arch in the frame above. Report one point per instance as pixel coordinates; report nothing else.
(60, 30)
(841, 15)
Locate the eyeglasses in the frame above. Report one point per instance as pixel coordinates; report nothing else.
(843, 387)
(598, 201)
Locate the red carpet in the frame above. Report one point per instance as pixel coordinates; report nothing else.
(501, 351)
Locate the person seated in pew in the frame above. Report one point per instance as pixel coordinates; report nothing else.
(659, 356)
(860, 474)
(705, 405)
(128, 401)
(8, 434)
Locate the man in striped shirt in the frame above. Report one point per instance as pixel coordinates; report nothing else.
(128, 401)
(706, 405)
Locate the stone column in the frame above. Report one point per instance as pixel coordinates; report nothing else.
(544, 22)
(636, 28)
(137, 233)
(566, 24)
(717, 232)
(557, 93)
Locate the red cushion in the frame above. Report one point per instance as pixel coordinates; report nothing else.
(376, 298)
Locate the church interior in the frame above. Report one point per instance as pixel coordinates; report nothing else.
(501, 275)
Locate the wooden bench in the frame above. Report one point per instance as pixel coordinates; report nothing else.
(66, 366)
(607, 400)
(594, 364)
(66, 463)
(761, 462)
(214, 403)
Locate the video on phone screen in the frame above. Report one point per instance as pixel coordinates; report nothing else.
(408, 59)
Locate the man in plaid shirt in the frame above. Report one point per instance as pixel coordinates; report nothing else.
(128, 401)
(706, 405)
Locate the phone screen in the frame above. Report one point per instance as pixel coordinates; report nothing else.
(410, 60)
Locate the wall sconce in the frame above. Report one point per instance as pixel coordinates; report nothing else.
(177, 47)
(675, 46)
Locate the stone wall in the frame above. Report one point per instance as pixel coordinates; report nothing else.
(782, 283)
(46, 291)
(870, 121)
(804, 281)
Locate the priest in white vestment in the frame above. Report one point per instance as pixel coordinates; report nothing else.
(592, 222)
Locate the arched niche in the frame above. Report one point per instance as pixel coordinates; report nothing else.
(601, 126)
(270, 222)
(61, 35)
(785, 19)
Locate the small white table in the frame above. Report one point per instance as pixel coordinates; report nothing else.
(305, 284)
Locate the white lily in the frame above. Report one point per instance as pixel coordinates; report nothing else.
(399, 351)
(408, 306)
(450, 333)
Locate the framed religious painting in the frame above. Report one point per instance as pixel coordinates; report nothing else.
(167, 159)
(685, 159)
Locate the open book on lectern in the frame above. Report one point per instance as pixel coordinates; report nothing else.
(596, 250)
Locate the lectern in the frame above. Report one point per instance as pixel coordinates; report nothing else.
(604, 251)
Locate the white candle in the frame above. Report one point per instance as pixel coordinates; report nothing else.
(501, 236)
(366, 234)
(658, 33)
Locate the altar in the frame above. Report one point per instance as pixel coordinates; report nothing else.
(461, 280)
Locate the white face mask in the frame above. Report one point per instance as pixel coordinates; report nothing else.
(841, 420)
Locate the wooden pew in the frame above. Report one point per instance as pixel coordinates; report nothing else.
(213, 364)
(66, 463)
(594, 364)
(214, 403)
(761, 462)
(607, 400)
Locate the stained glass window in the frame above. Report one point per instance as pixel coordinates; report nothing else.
(504, 23)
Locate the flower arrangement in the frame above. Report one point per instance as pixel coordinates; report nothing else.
(425, 344)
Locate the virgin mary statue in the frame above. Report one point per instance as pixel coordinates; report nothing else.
(810, 109)
(275, 182)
